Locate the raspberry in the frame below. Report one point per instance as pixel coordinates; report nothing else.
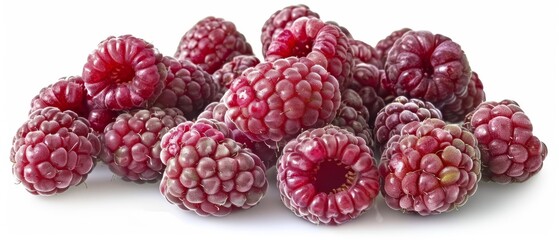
(457, 110)
(231, 70)
(372, 101)
(323, 43)
(365, 53)
(276, 100)
(123, 73)
(100, 118)
(368, 75)
(344, 29)
(327, 175)
(392, 118)
(353, 116)
(280, 20)
(427, 66)
(132, 142)
(384, 45)
(67, 93)
(430, 168)
(217, 110)
(211, 43)
(211, 174)
(53, 151)
(509, 150)
(187, 87)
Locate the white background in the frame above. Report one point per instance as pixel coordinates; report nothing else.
(512, 45)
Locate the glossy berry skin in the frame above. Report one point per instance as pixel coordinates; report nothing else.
(365, 53)
(123, 73)
(211, 173)
(211, 43)
(231, 70)
(132, 142)
(457, 110)
(277, 100)
(509, 150)
(353, 116)
(392, 118)
(216, 111)
(186, 87)
(323, 43)
(384, 45)
(52, 151)
(100, 118)
(68, 93)
(327, 176)
(280, 20)
(430, 168)
(427, 66)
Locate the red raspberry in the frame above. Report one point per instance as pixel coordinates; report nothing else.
(384, 45)
(366, 75)
(392, 118)
(323, 43)
(100, 118)
(353, 116)
(67, 93)
(52, 151)
(187, 87)
(372, 101)
(276, 100)
(509, 150)
(365, 53)
(457, 110)
(217, 110)
(327, 175)
(132, 148)
(123, 73)
(211, 174)
(211, 43)
(231, 70)
(344, 29)
(280, 20)
(430, 168)
(427, 66)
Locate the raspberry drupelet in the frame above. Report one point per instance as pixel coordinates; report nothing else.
(68, 93)
(353, 116)
(132, 142)
(53, 150)
(327, 176)
(210, 173)
(186, 87)
(231, 70)
(123, 73)
(277, 100)
(323, 43)
(430, 168)
(427, 66)
(211, 43)
(384, 45)
(457, 110)
(509, 150)
(280, 20)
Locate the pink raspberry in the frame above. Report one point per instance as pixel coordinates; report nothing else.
(457, 110)
(231, 70)
(68, 93)
(277, 100)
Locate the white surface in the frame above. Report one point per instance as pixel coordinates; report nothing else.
(513, 47)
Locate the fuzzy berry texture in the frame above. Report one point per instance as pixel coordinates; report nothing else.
(267, 154)
(427, 66)
(353, 116)
(384, 45)
(277, 100)
(430, 168)
(323, 43)
(231, 70)
(186, 87)
(211, 173)
(457, 110)
(392, 118)
(327, 176)
(509, 150)
(53, 151)
(280, 20)
(365, 53)
(211, 43)
(123, 73)
(67, 93)
(132, 142)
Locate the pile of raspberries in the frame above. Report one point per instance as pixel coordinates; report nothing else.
(338, 119)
